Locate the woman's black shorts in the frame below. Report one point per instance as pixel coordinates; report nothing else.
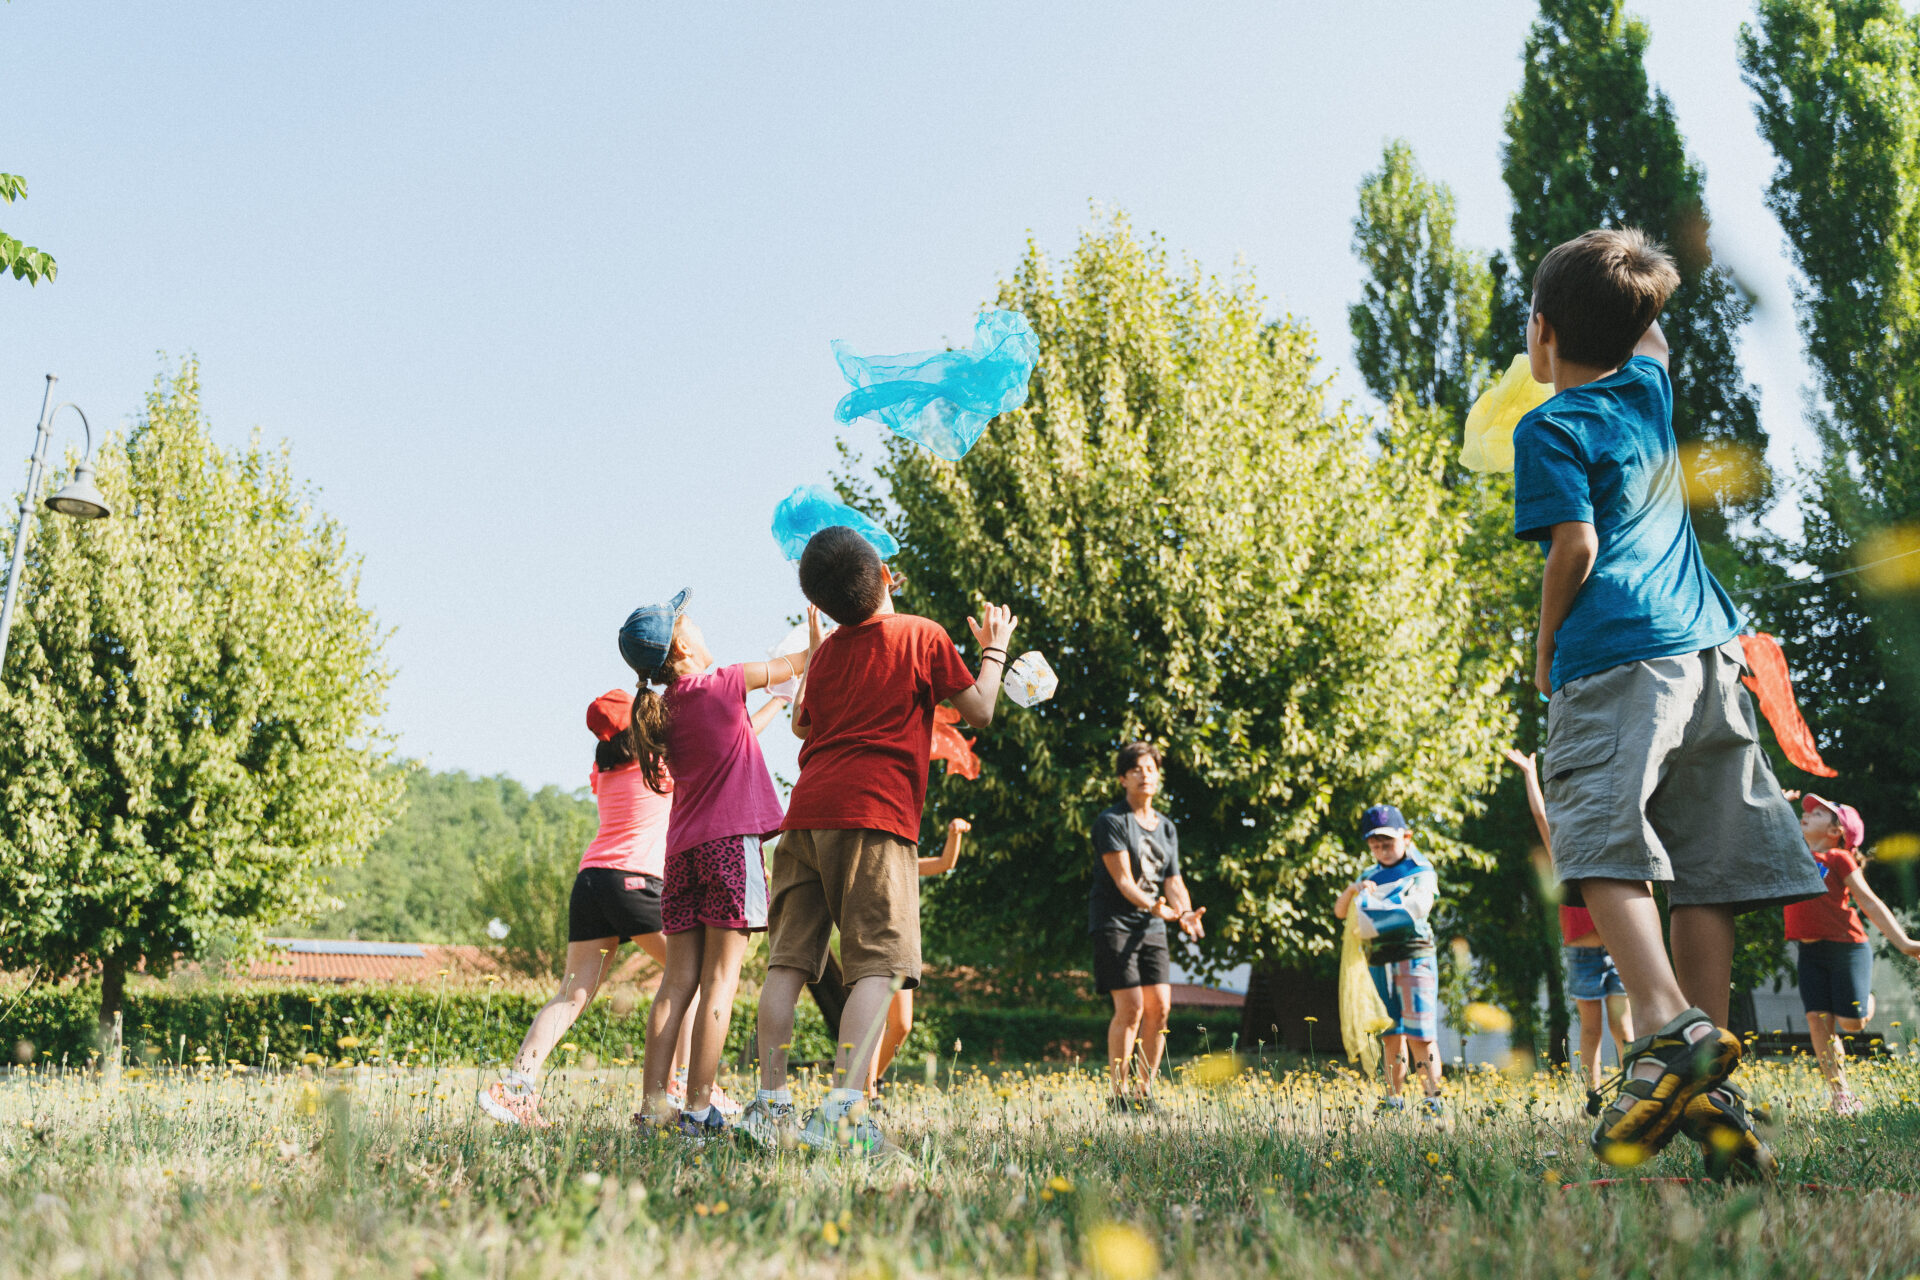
(1122, 959)
(612, 904)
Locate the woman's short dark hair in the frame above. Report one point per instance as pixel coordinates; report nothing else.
(1130, 755)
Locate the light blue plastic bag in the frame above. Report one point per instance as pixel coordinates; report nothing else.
(943, 400)
(813, 507)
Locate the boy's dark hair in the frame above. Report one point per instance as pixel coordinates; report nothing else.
(1129, 755)
(842, 574)
(1601, 291)
(614, 752)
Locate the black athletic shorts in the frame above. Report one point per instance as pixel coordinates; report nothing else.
(1122, 960)
(612, 904)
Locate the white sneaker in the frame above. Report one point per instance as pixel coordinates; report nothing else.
(505, 1106)
(844, 1132)
(720, 1102)
(770, 1125)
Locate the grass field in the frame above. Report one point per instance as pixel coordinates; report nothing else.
(358, 1172)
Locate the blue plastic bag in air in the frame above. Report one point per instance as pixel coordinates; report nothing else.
(813, 507)
(943, 400)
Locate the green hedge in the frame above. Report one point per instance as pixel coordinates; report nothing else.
(253, 1023)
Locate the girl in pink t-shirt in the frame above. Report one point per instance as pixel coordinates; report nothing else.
(714, 885)
(616, 898)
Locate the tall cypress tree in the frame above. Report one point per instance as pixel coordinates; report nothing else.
(1838, 98)
(1420, 327)
(1591, 143)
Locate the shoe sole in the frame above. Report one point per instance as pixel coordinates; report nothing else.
(501, 1115)
(1661, 1114)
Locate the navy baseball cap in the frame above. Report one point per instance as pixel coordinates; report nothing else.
(647, 634)
(1382, 820)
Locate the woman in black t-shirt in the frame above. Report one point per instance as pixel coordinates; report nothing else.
(1136, 892)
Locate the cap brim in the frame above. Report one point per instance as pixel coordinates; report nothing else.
(1383, 831)
(679, 603)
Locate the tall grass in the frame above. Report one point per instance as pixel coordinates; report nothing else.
(363, 1171)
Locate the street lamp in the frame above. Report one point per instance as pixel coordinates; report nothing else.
(79, 498)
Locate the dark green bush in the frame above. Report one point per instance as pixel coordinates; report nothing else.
(264, 1023)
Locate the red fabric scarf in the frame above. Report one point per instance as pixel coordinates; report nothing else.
(1770, 684)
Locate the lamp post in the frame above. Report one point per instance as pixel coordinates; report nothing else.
(79, 498)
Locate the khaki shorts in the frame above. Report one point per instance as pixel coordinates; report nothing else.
(1654, 771)
(865, 882)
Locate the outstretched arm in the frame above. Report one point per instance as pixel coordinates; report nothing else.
(976, 705)
(950, 854)
(1876, 911)
(758, 675)
(1535, 801)
(1652, 343)
(764, 716)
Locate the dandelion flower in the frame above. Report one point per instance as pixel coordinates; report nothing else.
(830, 1234)
(1433, 1157)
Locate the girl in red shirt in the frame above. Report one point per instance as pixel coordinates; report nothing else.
(1836, 963)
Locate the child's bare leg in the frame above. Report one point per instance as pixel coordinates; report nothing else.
(779, 996)
(1590, 1032)
(1703, 941)
(1396, 1061)
(677, 987)
(899, 1027)
(867, 1001)
(1628, 920)
(586, 963)
(1833, 1065)
(721, 954)
(1620, 1022)
(1121, 1032)
(655, 945)
(1426, 1061)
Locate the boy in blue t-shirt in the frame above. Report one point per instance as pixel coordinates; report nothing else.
(1394, 898)
(1653, 768)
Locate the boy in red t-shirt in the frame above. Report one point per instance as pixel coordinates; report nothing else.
(1836, 964)
(848, 855)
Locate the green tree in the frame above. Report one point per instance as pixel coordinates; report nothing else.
(526, 881)
(1420, 334)
(1214, 561)
(189, 710)
(1591, 143)
(421, 881)
(26, 262)
(1837, 87)
(1420, 327)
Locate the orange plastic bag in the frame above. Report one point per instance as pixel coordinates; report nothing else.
(948, 745)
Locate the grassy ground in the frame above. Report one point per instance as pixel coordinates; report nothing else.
(357, 1172)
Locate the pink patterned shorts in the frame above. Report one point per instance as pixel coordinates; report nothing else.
(721, 884)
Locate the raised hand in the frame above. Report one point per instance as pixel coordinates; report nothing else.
(1521, 761)
(996, 630)
(814, 634)
(959, 826)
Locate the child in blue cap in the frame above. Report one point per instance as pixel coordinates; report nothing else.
(1394, 898)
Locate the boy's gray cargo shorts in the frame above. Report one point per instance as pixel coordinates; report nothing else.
(1654, 771)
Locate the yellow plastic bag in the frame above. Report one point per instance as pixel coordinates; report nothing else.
(1362, 1016)
(1490, 423)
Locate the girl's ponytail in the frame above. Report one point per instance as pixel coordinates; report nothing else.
(649, 731)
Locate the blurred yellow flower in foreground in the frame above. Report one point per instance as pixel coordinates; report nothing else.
(1486, 1017)
(1894, 554)
(1624, 1155)
(1116, 1251)
(348, 1042)
(1217, 1068)
(1902, 846)
(307, 1102)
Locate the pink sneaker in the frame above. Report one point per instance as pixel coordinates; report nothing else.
(1845, 1104)
(504, 1106)
(725, 1105)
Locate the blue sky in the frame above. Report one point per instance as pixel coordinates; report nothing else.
(541, 295)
